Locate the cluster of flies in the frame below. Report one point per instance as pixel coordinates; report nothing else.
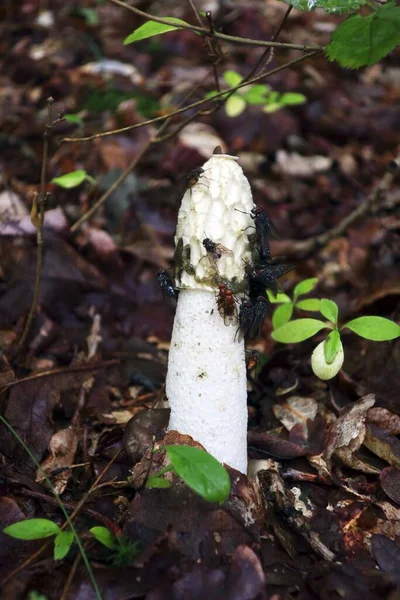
(262, 276)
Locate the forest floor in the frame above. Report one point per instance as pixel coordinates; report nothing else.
(96, 352)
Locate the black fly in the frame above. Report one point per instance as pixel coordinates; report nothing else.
(265, 277)
(193, 177)
(251, 317)
(264, 229)
(166, 284)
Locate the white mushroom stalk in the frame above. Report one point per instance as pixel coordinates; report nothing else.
(206, 380)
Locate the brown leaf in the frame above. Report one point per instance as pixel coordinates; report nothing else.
(387, 554)
(348, 431)
(274, 445)
(296, 409)
(385, 419)
(29, 406)
(63, 447)
(390, 482)
(383, 444)
(246, 580)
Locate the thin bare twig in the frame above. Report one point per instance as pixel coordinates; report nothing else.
(179, 111)
(213, 55)
(40, 205)
(307, 247)
(268, 53)
(216, 34)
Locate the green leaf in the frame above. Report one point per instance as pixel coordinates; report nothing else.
(90, 15)
(72, 118)
(212, 94)
(332, 346)
(32, 529)
(151, 28)
(321, 367)
(62, 544)
(311, 304)
(232, 78)
(256, 94)
(104, 536)
(365, 40)
(282, 315)
(71, 180)
(33, 595)
(377, 329)
(272, 107)
(279, 298)
(292, 98)
(201, 472)
(297, 330)
(158, 482)
(330, 6)
(329, 310)
(235, 105)
(305, 287)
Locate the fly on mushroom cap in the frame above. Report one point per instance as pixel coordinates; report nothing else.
(220, 206)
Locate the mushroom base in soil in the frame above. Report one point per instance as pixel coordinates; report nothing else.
(206, 380)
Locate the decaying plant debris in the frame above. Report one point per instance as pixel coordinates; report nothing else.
(324, 520)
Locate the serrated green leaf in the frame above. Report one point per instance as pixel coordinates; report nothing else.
(71, 118)
(332, 346)
(151, 28)
(280, 298)
(330, 6)
(104, 536)
(329, 309)
(201, 472)
(360, 41)
(377, 329)
(305, 287)
(32, 529)
(232, 78)
(62, 544)
(256, 94)
(235, 105)
(71, 180)
(292, 98)
(311, 304)
(297, 330)
(282, 315)
(158, 482)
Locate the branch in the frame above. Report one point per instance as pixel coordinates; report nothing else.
(37, 216)
(307, 247)
(179, 111)
(216, 34)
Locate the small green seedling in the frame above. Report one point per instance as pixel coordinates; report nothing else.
(73, 179)
(257, 94)
(124, 550)
(327, 358)
(39, 529)
(198, 469)
(284, 313)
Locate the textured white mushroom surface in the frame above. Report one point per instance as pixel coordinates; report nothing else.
(206, 380)
(210, 209)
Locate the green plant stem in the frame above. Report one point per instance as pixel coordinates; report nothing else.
(60, 504)
(216, 34)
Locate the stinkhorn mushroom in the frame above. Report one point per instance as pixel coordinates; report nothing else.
(215, 242)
